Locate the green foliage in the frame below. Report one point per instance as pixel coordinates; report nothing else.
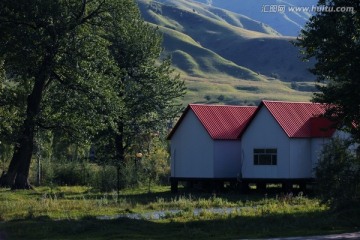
(332, 39)
(67, 165)
(79, 70)
(60, 73)
(156, 163)
(338, 175)
(71, 174)
(12, 102)
(148, 89)
(151, 167)
(104, 178)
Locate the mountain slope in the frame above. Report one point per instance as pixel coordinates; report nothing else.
(153, 10)
(274, 57)
(222, 55)
(287, 22)
(193, 59)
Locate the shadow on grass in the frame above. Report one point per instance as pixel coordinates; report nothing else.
(266, 225)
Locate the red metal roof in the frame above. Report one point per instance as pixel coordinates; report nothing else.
(297, 119)
(222, 122)
(300, 119)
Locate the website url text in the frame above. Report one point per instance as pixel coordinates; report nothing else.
(275, 8)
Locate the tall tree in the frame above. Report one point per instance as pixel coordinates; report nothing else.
(148, 88)
(333, 39)
(56, 60)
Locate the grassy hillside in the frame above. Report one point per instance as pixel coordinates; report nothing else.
(227, 90)
(288, 23)
(226, 57)
(162, 11)
(276, 57)
(192, 59)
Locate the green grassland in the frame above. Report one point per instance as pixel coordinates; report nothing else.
(227, 90)
(165, 8)
(71, 213)
(228, 58)
(194, 60)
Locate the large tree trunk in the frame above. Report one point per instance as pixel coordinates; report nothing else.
(20, 160)
(8, 178)
(18, 172)
(23, 156)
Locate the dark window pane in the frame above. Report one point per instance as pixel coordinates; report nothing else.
(259, 150)
(265, 159)
(271, 150)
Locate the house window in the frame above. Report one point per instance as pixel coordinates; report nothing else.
(265, 156)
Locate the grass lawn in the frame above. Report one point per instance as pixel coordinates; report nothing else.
(70, 213)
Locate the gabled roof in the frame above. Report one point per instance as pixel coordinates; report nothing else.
(222, 122)
(300, 119)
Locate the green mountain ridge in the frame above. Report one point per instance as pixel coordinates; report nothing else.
(212, 46)
(285, 21)
(198, 61)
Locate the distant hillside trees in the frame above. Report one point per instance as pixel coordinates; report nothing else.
(78, 68)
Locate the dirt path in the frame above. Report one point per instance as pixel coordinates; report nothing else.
(355, 235)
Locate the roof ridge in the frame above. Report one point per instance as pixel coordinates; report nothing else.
(218, 105)
(278, 101)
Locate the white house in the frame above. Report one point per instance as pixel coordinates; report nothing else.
(205, 143)
(283, 141)
(276, 142)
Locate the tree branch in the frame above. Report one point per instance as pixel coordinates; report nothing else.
(69, 85)
(82, 11)
(93, 13)
(20, 23)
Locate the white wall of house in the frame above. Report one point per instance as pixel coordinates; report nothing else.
(265, 132)
(227, 158)
(300, 158)
(192, 150)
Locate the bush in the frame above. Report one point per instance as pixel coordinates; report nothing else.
(73, 173)
(47, 172)
(105, 179)
(338, 175)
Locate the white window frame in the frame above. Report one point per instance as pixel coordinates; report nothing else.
(265, 156)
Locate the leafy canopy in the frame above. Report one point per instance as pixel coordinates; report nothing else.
(77, 68)
(60, 41)
(333, 39)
